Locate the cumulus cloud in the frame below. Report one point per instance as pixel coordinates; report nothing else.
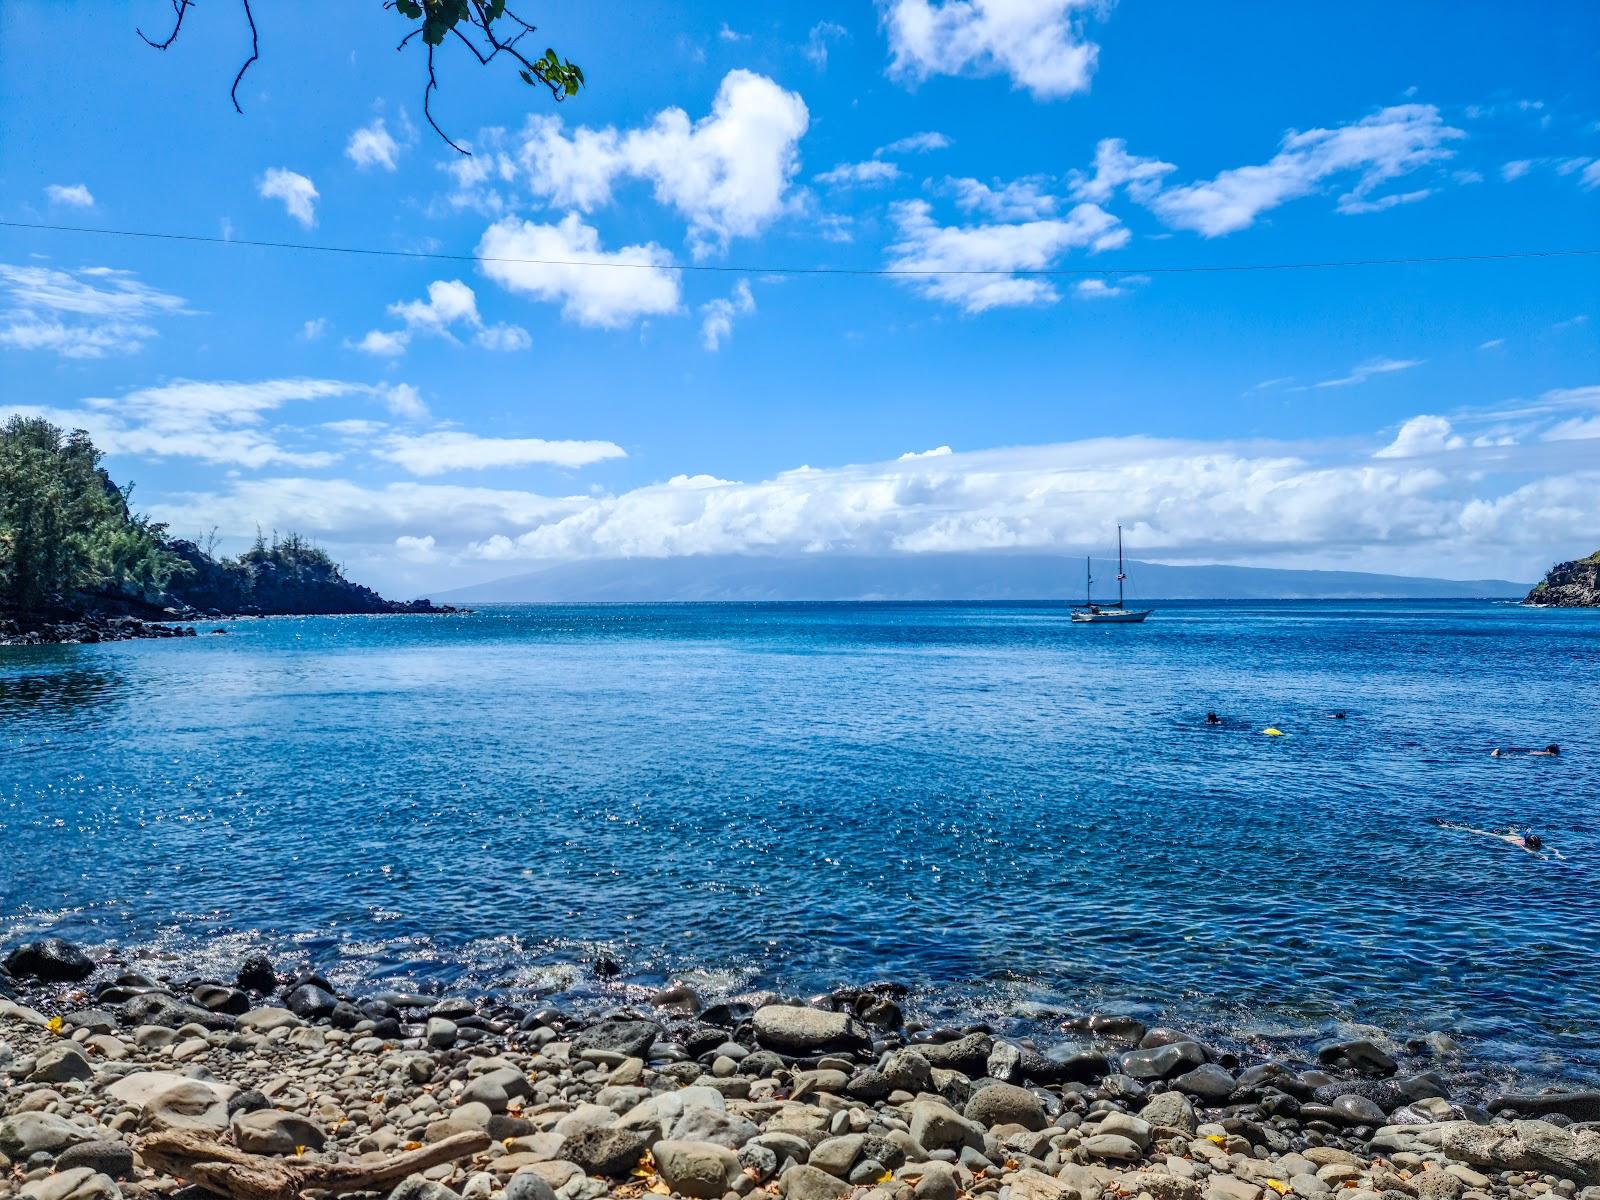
(1038, 44)
(916, 143)
(314, 329)
(727, 174)
(451, 450)
(1365, 371)
(1019, 200)
(612, 290)
(373, 146)
(1115, 168)
(995, 250)
(70, 195)
(1422, 435)
(298, 194)
(88, 313)
(416, 549)
(1376, 149)
(860, 174)
(450, 303)
(1103, 289)
(717, 316)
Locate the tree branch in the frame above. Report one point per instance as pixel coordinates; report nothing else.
(427, 111)
(255, 53)
(181, 7)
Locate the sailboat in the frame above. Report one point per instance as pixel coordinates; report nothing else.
(1107, 614)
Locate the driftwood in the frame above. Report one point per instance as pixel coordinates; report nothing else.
(231, 1172)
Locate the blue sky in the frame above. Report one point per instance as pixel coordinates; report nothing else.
(441, 422)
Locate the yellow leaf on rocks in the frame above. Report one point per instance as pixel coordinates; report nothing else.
(413, 1146)
(1278, 1186)
(299, 1151)
(658, 1187)
(55, 1025)
(1216, 1139)
(885, 1177)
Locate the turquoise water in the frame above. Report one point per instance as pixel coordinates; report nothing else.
(1012, 814)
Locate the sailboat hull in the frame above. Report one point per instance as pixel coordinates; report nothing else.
(1121, 616)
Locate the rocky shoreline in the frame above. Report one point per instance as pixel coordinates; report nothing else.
(269, 1086)
(55, 629)
(1573, 584)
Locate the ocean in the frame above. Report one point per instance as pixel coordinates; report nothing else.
(1018, 818)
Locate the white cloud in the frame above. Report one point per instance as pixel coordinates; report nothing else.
(1038, 44)
(632, 282)
(89, 313)
(1576, 322)
(404, 401)
(817, 41)
(1590, 179)
(449, 450)
(1384, 146)
(996, 249)
(1420, 436)
(1365, 371)
(1115, 168)
(314, 329)
(728, 34)
(71, 195)
(1100, 289)
(298, 194)
(1516, 169)
(1492, 344)
(728, 173)
(383, 344)
(507, 338)
(916, 143)
(717, 316)
(416, 549)
(863, 174)
(1020, 200)
(373, 146)
(936, 452)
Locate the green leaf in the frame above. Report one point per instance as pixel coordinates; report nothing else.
(409, 8)
(434, 30)
(497, 9)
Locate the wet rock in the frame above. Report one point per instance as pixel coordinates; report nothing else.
(1164, 1061)
(1357, 1055)
(630, 1038)
(52, 960)
(256, 974)
(1580, 1106)
(796, 1030)
(265, 1020)
(908, 1070)
(1170, 1110)
(311, 1002)
(167, 1011)
(1209, 1082)
(703, 1170)
(609, 1152)
(440, 1033)
(221, 999)
(969, 1054)
(1357, 1110)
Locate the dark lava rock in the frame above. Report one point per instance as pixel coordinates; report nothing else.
(95, 1020)
(256, 974)
(246, 1101)
(1076, 1064)
(53, 960)
(1163, 1062)
(158, 1008)
(1358, 1055)
(969, 1055)
(221, 999)
(311, 1002)
(869, 1084)
(606, 968)
(453, 1008)
(727, 1015)
(620, 1036)
(1107, 1025)
(113, 1159)
(1580, 1106)
(610, 1152)
(679, 998)
(1273, 1076)
(1207, 1082)
(346, 1016)
(1124, 1088)
(1357, 1110)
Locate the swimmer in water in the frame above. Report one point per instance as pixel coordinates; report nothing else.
(1213, 719)
(1550, 751)
(1531, 842)
(1337, 716)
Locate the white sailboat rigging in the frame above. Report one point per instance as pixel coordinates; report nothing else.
(1107, 613)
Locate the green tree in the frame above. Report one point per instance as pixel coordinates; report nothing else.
(65, 530)
(487, 28)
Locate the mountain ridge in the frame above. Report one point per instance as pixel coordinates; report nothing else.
(943, 577)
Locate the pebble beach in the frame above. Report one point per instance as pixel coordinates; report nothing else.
(114, 1084)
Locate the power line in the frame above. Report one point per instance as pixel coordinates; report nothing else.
(1225, 268)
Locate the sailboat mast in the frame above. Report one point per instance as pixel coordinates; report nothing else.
(1088, 583)
(1120, 575)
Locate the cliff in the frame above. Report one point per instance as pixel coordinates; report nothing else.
(1573, 584)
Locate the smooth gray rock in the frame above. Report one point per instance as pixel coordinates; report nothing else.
(1171, 1110)
(791, 1029)
(1164, 1061)
(272, 1131)
(937, 1127)
(415, 1187)
(52, 960)
(80, 1183)
(703, 1170)
(1357, 1055)
(836, 1155)
(61, 1063)
(27, 1133)
(1005, 1104)
(808, 1183)
(1211, 1083)
(627, 1037)
(969, 1054)
(529, 1185)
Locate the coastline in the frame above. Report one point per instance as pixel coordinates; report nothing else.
(761, 1095)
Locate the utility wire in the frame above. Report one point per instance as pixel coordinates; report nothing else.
(1417, 260)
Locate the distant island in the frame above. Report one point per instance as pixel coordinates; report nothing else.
(1574, 584)
(977, 576)
(77, 564)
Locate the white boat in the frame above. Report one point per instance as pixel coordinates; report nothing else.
(1107, 613)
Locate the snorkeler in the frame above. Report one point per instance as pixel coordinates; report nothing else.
(1531, 842)
(1550, 751)
(1213, 719)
